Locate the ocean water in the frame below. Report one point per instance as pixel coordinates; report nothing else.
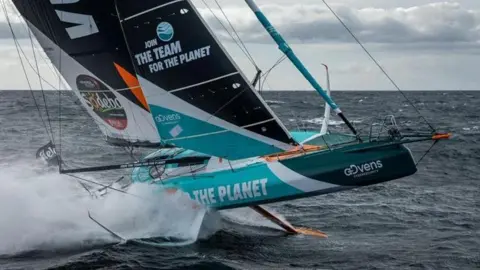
(430, 220)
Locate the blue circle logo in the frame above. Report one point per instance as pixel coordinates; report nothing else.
(165, 31)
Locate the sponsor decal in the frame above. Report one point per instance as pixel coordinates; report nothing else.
(165, 31)
(79, 25)
(363, 169)
(174, 132)
(168, 118)
(102, 101)
(172, 119)
(160, 56)
(48, 154)
(231, 193)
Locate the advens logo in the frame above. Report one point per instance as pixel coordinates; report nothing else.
(363, 169)
(102, 101)
(167, 119)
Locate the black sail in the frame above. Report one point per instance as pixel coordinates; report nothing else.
(199, 98)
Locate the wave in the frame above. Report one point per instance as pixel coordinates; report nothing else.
(270, 102)
(319, 121)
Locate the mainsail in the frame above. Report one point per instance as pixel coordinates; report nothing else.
(199, 98)
(84, 41)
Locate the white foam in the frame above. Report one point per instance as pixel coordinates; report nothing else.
(274, 102)
(42, 209)
(319, 121)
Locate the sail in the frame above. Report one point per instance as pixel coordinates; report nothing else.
(84, 41)
(199, 98)
(326, 115)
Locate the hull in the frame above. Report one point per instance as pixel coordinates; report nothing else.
(225, 185)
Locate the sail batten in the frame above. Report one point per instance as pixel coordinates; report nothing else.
(149, 10)
(218, 132)
(198, 96)
(204, 82)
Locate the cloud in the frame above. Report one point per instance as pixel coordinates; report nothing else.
(19, 30)
(434, 24)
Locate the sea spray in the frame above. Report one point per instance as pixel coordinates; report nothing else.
(45, 210)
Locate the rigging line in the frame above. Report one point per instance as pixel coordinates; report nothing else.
(426, 153)
(31, 66)
(234, 39)
(279, 61)
(41, 85)
(132, 137)
(228, 103)
(100, 125)
(102, 185)
(58, 71)
(377, 64)
(47, 62)
(266, 74)
(59, 92)
(23, 66)
(236, 33)
(24, 24)
(26, 58)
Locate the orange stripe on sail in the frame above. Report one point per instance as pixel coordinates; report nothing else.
(132, 83)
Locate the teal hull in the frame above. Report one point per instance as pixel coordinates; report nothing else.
(320, 172)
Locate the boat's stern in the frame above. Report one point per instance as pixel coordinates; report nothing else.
(358, 165)
(387, 164)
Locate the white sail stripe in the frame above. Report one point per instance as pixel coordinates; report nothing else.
(158, 96)
(199, 135)
(297, 180)
(204, 82)
(116, 90)
(150, 10)
(259, 123)
(128, 88)
(218, 132)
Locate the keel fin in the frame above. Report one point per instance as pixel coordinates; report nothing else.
(285, 225)
(115, 235)
(311, 232)
(270, 216)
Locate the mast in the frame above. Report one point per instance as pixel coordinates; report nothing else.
(285, 48)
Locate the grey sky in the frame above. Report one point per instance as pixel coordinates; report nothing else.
(422, 44)
(313, 23)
